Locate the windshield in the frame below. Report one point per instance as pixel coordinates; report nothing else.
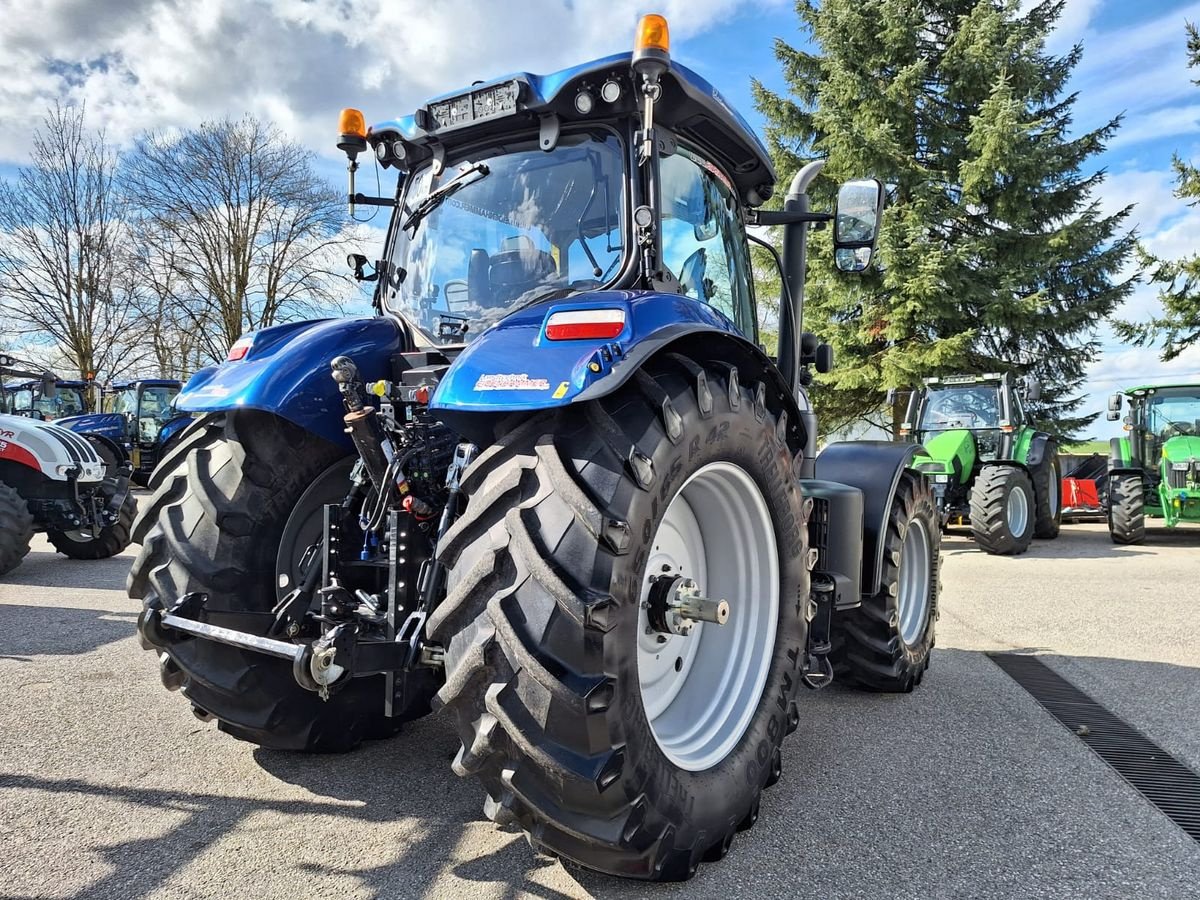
(1167, 416)
(976, 406)
(529, 224)
(65, 402)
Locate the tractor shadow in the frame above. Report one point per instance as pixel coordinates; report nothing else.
(29, 631)
(44, 568)
(404, 784)
(1071, 543)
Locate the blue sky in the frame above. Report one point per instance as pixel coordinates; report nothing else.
(164, 63)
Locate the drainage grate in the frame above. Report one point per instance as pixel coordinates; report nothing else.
(1151, 770)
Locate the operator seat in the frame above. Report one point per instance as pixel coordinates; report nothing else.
(479, 274)
(518, 267)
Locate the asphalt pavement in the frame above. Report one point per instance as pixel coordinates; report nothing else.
(965, 788)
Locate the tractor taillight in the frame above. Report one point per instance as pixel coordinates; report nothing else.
(240, 348)
(585, 324)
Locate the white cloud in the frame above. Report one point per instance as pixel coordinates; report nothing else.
(144, 63)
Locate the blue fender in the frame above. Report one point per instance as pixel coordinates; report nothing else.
(174, 427)
(513, 367)
(109, 425)
(286, 371)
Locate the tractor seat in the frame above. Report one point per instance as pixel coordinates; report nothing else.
(518, 267)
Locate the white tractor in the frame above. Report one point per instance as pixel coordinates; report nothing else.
(53, 480)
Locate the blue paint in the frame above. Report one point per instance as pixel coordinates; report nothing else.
(543, 90)
(109, 425)
(517, 345)
(286, 372)
(173, 428)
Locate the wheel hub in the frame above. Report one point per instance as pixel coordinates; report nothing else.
(701, 681)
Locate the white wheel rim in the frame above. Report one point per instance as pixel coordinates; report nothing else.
(913, 581)
(1017, 511)
(700, 691)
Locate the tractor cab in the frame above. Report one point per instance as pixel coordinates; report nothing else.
(31, 398)
(1156, 467)
(991, 407)
(145, 405)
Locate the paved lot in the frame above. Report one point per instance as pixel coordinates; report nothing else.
(109, 787)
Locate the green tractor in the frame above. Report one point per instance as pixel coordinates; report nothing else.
(987, 462)
(1155, 469)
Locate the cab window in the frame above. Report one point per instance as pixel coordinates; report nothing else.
(704, 242)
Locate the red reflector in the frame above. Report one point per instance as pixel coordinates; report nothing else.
(584, 324)
(239, 348)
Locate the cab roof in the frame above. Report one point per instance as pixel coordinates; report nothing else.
(690, 107)
(147, 382)
(1134, 391)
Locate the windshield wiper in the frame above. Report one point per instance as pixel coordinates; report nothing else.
(473, 173)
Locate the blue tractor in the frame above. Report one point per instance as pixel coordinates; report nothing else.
(555, 487)
(136, 424)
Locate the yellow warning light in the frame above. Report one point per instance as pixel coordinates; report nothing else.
(652, 34)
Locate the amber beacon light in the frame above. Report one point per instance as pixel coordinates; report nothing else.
(652, 34)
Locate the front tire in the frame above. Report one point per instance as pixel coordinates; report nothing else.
(565, 723)
(16, 528)
(1047, 485)
(1002, 510)
(222, 507)
(1126, 509)
(112, 538)
(888, 640)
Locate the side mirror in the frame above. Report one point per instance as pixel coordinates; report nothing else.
(1113, 415)
(1033, 389)
(891, 397)
(49, 387)
(1114, 404)
(824, 358)
(856, 224)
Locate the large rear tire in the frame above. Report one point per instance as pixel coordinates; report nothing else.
(16, 528)
(235, 489)
(888, 640)
(563, 701)
(1047, 487)
(1002, 510)
(1126, 509)
(112, 538)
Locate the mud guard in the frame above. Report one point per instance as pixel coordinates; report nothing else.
(1039, 447)
(286, 372)
(874, 467)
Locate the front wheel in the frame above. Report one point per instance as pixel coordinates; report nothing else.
(887, 641)
(1047, 484)
(112, 539)
(593, 717)
(1126, 509)
(1002, 510)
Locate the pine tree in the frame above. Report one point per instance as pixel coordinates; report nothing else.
(1179, 326)
(994, 253)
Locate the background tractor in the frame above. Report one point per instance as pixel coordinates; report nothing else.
(555, 488)
(42, 398)
(54, 481)
(137, 424)
(1155, 469)
(988, 464)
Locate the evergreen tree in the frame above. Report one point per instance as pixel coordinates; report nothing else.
(1179, 326)
(993, 253)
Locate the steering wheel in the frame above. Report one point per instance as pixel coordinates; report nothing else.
(1181, 427)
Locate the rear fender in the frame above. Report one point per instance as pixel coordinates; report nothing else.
(874, 467)
(515, 368)
(286, 372)
(1120, 456)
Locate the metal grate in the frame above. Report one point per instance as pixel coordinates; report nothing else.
(1152, 771)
